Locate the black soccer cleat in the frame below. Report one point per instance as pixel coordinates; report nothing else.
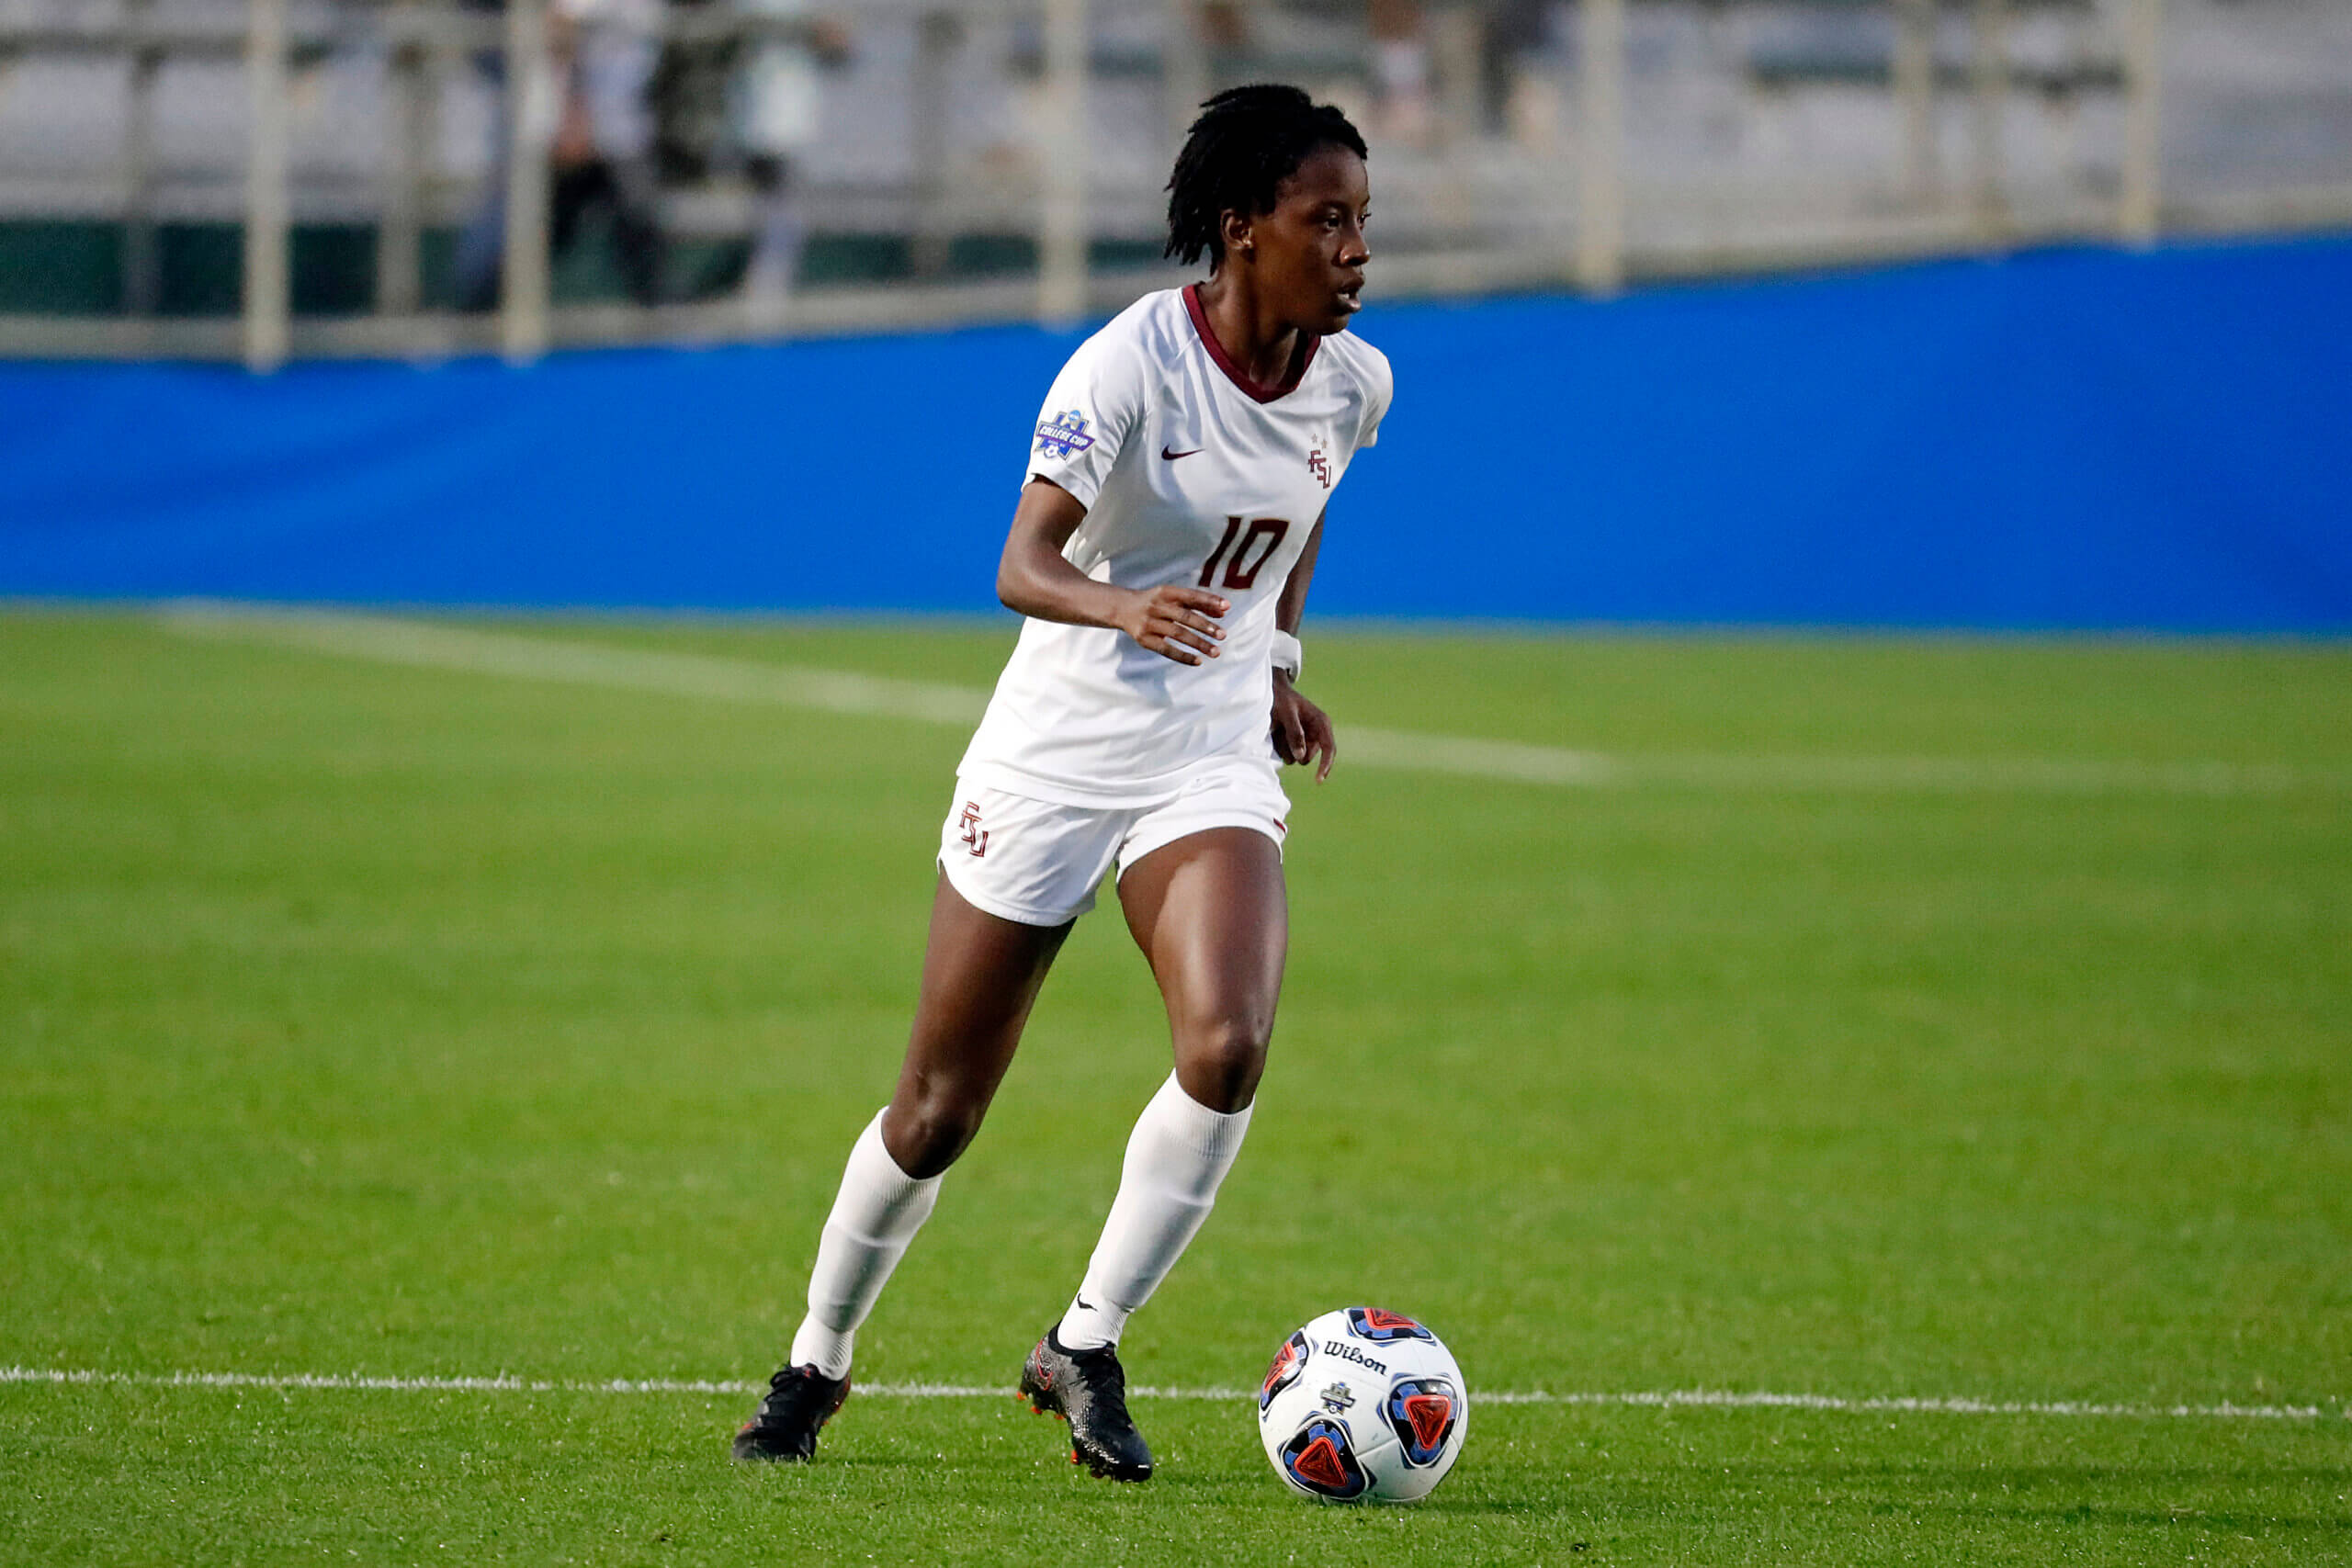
(800, 1401)
(1089, 1390)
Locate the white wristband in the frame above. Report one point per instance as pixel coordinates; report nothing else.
(1289, 657)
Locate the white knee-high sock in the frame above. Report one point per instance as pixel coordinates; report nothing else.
(878, 1210)
(1178, 1153)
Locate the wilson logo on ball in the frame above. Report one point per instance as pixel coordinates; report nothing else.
(1421, 1412)
(1384, 1327)
(1290, 1361)
(1322, 1460)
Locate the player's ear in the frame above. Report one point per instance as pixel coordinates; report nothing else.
(1233, 228)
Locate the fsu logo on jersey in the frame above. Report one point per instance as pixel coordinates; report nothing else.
(1319, 466)
(1065, 435)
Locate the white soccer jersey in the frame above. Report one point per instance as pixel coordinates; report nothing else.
(1191, 474)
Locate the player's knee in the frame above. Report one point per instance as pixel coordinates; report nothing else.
(1222, 1062)
(929, 1134)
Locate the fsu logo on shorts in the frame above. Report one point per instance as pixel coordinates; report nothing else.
(1421, 1412)
(976, 838)
(1290, 1361)
(1322, 1459)
(1384, 1327)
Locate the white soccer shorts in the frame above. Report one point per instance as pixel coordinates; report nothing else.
(1038, 862)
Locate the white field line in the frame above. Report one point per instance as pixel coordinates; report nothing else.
(1712, 1399)
(429, 645)
(385, 640)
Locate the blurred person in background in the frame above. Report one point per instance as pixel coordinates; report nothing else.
(773, 103)
(603, 54)
(1400, 62)
(1510, 31)
(1506, 29)
(748, 108)
(1223, 24)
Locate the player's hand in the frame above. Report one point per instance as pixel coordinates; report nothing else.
(1176, 623)
(1301, 730)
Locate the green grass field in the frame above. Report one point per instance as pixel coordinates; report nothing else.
(365, 1019)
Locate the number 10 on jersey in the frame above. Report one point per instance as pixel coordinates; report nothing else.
(1240, 569)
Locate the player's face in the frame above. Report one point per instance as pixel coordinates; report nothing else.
(1311, 248)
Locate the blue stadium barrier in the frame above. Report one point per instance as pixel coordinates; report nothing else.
(2067, 439)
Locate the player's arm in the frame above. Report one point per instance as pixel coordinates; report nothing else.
(1035, 578)
(1302, 731)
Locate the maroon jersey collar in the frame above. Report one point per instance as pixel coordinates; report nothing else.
(1258, 392)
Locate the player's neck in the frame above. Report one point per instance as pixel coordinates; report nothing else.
(1253, 338)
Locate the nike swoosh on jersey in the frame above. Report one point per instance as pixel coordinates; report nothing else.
(1170, 456)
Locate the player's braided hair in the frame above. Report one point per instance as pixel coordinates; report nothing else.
(1245, 144)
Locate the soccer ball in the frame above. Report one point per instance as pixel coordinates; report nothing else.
(1363, 1406)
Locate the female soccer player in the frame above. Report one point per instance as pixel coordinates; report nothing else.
(1161, 552)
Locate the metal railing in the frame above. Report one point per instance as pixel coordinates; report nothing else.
(1581, 162)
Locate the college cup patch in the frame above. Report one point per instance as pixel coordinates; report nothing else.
(1064, 435)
